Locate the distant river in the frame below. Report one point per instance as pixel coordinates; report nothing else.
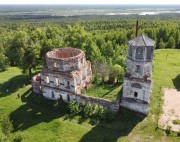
(144, 13)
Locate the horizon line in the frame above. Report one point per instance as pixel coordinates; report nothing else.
(78, 4)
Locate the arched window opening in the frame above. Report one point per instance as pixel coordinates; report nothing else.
(55, 65)
(139, 53)
(52, 94)
(56, 82)
(47, 79)
(130, 52)
(149, 53)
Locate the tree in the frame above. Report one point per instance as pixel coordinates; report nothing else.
(121, 60)
(95, 69)
(118, 72)
(122, 38)
(171, 43)
(76, 36)
(92, 51)
(3, 62)
(103, 70)
(31, 57)
(17, 46)
(99, 41)
(177, 39)
(25, 51)
(161, 44)
(108, 50)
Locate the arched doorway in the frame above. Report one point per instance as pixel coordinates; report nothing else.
(52, 94)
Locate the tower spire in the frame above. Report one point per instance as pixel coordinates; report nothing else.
(137, 28)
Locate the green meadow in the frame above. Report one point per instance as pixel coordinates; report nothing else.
(44, 123)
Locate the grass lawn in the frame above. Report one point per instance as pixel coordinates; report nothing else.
(42, 123)
(104, 90)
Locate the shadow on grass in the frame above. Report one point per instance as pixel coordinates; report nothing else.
(112, 88)
(110, 132)
(176, 82)
(30, 114)
(13, 85)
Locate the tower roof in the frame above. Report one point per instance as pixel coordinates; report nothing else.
(141, 40)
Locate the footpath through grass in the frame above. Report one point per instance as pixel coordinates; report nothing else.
(37, 122)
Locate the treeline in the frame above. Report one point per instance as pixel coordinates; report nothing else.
(24, 44)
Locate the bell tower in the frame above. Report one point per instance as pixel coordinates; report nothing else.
(137, 81)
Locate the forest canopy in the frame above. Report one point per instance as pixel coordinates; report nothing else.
(104, 40)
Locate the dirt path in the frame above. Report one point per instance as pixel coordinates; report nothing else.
(171, 109)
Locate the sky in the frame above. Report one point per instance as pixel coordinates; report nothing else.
(90, 2)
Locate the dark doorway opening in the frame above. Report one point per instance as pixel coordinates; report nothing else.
(52, 93)
(68, 97)
(135, 94)
(61, 97)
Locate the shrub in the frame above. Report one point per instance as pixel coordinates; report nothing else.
(168, 130)
(3, 137)
(178, 134)
(93, 121)
(88, 110)
(6, 125)
(176, 122)
(73, 108)
(18, 137)
(3, 62)
(99, 112)
(108, 115)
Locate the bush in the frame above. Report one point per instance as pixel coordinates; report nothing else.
(99, 112)
(73, 108)
(178, 134)
(18, 137)
(3, 62)
(88, 110)
(168, 130)
(3, 137)
(108, 115)
(176, 122)
(6, 125)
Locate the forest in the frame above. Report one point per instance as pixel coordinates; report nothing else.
(24, 43)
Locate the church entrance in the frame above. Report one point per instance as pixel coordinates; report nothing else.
(135, 94)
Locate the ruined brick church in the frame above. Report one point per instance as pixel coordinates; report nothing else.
(67, 72)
